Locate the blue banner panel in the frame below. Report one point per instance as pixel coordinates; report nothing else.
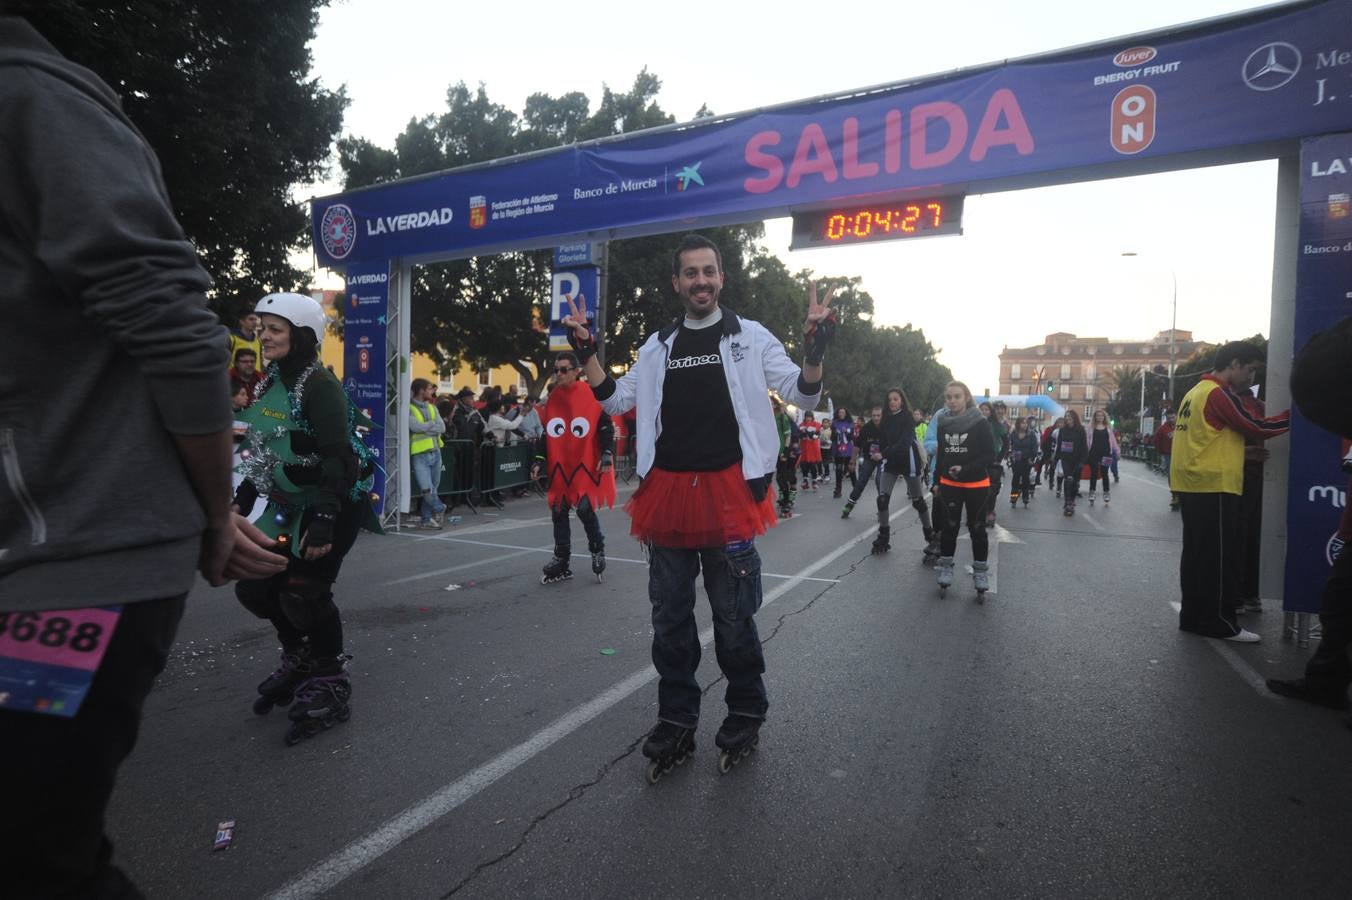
(570, 282)
(365, 305)
(1316, 482)
(1267, 76)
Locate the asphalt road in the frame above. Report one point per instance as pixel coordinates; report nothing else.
(1062, 740)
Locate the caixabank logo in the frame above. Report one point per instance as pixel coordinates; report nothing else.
(338, 231)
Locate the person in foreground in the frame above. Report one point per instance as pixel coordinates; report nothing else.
(707, 450)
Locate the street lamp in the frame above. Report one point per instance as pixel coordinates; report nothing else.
(1173, 326)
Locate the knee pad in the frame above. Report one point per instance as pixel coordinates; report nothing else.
(307, 604)
(883, 500)
(256, 597)
(920, 506)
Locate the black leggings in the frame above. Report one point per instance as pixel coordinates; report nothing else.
(1021, 485)
(784, 478)
(842, 465)
(1097, 470)
(975, 501)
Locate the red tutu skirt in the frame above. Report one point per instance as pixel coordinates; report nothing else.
(698, 509)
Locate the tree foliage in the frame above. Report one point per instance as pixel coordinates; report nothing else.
(222, 92)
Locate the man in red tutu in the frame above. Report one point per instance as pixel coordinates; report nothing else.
(707, 448)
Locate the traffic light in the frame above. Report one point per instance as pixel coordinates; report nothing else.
(1050, 385)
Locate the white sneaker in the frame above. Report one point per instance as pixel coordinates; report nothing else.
(1244, 637)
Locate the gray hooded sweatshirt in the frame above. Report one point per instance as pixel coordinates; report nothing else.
(107, 347)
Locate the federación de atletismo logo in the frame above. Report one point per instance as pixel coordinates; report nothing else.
(688, 176)
(338, 230)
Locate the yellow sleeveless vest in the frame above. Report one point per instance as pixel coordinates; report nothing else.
(422, 442)
(1206, 460)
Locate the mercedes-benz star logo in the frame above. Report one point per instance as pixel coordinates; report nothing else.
(1271, 66)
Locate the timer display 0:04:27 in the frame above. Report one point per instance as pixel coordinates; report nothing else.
(909, 219)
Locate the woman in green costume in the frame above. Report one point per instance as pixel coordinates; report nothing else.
(303, 456)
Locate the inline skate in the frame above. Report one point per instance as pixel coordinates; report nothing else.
(668, 745)
(737, 737)
(279, 688)
(321, 700)
(557, 569)
(598, 555)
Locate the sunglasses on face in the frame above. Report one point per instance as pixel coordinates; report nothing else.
(564, 370)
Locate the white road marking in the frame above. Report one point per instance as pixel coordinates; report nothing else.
(469, 565)
(550, 549)
(1235, 661)
(1092, 521)
(330, 872)
(1154, 482)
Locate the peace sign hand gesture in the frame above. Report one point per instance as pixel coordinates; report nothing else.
(579, 333)
(820, 325)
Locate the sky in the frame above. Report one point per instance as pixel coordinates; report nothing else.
(1029, 263)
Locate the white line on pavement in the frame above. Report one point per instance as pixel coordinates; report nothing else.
(329, 872)
(1149, 482)
(550, 549)
(1092, 521)
(1235, 661)
(469, 565)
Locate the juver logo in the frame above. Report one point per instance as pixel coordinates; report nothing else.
(338, 230)
(1271, 66)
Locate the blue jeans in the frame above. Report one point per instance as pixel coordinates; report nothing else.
(427, 474)
(563, 537)
(733, 582)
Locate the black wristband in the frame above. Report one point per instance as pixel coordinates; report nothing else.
(585, 350)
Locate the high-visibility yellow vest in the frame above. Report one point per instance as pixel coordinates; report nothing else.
(422, 442)
(1206, 459)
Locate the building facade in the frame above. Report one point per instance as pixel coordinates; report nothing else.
(1081, 370)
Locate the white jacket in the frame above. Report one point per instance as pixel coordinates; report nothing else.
(754, 363)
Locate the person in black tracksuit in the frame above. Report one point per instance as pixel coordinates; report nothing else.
(868, 449)
(1072, 449)
(900, 456)
(1023, 446)
(966, 448)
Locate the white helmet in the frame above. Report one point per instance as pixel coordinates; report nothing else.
(298, 309)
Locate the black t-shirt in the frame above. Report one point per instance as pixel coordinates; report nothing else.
(699, 427)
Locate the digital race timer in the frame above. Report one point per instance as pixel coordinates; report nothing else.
(928, 217)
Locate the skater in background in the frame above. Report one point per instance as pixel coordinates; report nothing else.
(966, 448)
(842, 449)
(707, 449)
(1072, 448)
(578, 456)
(1102, 451)
(903, 457)
(1049, 453)
(786, 464)
(993, 413)
(810, 451)
(868, 455)
(308, 464)
(1023, 447)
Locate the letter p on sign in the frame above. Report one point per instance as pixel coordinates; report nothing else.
(1133, 119)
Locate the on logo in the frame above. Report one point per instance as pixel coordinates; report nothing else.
(1133, 119)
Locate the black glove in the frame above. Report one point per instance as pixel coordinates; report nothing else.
(585, 349)
(320, 530)
(607, 462)
(759, 487)
(246, 495)
(817, 337)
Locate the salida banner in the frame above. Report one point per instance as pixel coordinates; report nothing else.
(364, 311)
(1267, 76)
(1316, 485)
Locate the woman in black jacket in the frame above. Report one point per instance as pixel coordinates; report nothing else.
(902, 457)
(1072, 449)
(966, 447)
(1023, 447)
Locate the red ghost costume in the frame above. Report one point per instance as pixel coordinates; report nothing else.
(573, 448)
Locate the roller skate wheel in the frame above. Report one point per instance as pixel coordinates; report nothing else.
(600, 577)
(654, 772)
(725, 762)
